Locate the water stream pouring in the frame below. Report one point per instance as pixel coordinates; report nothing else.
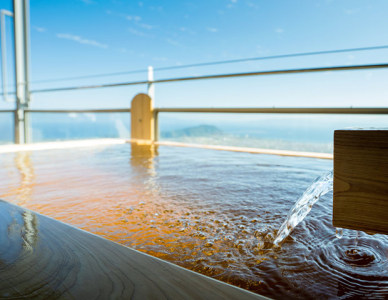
(320, 186)
(349, 252)
(353, 264)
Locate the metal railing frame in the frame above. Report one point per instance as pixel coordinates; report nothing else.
(149, 82)
(263, 110)
(234, 110)
(217, 76)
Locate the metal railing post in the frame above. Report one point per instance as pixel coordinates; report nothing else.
(21, 29)
(151, 85)
(156, 125)
(4, 13)
(27, 137)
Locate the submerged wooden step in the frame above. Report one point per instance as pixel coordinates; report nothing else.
(41, 258)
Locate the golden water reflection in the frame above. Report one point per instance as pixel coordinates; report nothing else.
(209, 211)
(127, 203)
(18, 178)
(142, 157)
(24, 165)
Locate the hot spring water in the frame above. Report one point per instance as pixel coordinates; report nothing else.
(214, 212)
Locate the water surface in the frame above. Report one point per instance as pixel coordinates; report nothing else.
(214, 212)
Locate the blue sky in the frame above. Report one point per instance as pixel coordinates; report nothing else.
(85, 37)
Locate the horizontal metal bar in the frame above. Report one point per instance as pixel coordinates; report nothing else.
(252, 110)
(218, 76)
(86, 87)
(272, 57)
(219, 62)
(113, 110)
(280, 110)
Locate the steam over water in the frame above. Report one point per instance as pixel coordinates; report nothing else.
(214, 212)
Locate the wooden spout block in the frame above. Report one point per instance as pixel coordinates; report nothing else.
(360, 199)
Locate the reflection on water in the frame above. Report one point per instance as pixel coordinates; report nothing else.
(143, 164)
(29, 231)
(19, 231)
(23, 191)
(142, 157)
(210, 211)
(26, 171)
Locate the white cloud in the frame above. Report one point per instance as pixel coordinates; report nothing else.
(187, 30)
(157, 8)
(136, 32)
(133, 18)
(231, 3)
(40, 29)
(173, 42)
(136, 21)
(252, 5)
(279, 30)
(81, 40)
(212, 29)
(145, 26)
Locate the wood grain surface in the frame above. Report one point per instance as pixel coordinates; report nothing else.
(41, 258)
(142, 118)
(361, 180)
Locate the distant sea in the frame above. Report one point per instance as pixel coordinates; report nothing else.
(296, 132)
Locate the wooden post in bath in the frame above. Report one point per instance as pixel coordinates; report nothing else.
(142, 118)
(360, 199)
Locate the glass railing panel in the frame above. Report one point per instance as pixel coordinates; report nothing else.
(298, 132)
(75, 125)
(6, 127)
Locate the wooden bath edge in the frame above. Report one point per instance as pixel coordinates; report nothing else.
(10, 148)
(42, 258)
